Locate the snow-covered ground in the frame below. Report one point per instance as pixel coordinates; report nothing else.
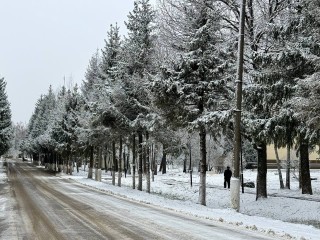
(5, 206)
(271, 215)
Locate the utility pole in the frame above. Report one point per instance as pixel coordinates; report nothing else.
(235, 182)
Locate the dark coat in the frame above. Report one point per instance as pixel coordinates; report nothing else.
(227, 174)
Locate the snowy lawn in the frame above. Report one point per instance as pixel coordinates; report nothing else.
(7, 215)
(3, 198)
(272, 215)
(3, 175)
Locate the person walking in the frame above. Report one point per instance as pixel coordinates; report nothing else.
(227, 177)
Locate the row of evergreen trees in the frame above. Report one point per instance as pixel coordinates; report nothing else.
(175, 69)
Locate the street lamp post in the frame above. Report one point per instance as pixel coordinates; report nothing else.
(235, 182)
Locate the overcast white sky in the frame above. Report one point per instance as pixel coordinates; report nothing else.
(43, 41)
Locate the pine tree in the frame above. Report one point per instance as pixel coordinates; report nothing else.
(19, 132)
(29, 145)
(91, 92)
(304, 34)
(113, 115)
(136, 68)
(93, 79)
(139, 44)
(38, 140)
(270, 81)
(111, 53)
(5, 119)
(195, 90)
(286, 67)
(63, 131)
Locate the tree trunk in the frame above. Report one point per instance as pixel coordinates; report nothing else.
(155, 166)
(305, 171)
(203, 166)
(56, 162)
(133, 161)
(140, 153)
(144, 158)
(128, 160)
(90, 163)
(120, 162)
(71, 164)
(124, 161)
(100, 158)
(67, 157)
(78, 163)
(147, 162)
(152, 162)
(98, 163)
(95, 164)
(67, 166)
(105, 158)
(190, 158)
(190, 163)
(163, 165)
(278, 166)
(288, 168)
(299, 169)
(114, 162)
(262, 171)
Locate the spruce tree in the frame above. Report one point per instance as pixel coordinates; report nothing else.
(5, 119)
(93, 79)
(304, 35)
(112, 115)
(284, 67)
(111, 53)
(269, 81)
(38, 140)
(194, 92)
(137, 65)
(92, 96)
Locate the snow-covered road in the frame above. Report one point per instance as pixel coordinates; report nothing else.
(46, 207)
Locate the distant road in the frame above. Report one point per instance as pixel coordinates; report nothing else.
(53, 208)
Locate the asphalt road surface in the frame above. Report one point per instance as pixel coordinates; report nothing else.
(48, 207)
